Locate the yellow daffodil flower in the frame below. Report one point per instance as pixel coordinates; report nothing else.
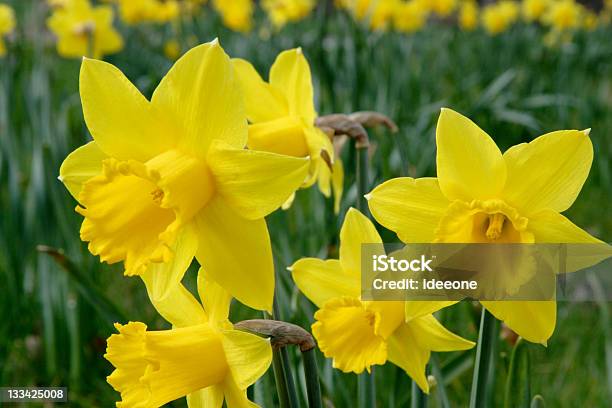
(483, 196)
(282, 117)
(360, 9)
(443, 8)
(169, 178)
(236, 14)
(498, 17)
(83, 30)
(468, 15)
(172, 49)
(358, 334)
(142, 11)
(7, 25)
(410, 16)
(382, 14)
(281, 12)
(564, 15)
(201, 357)
(534, 10)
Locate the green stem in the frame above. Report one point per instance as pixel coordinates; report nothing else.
(293, 399)
(482, 382)
(363, 184)
(279, 376)
(313, 388)
(419, 399)
(440, 381)
(366, 393)
(518, 387)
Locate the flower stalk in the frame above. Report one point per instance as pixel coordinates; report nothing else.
(483, 381)
(281, 335)
(419, 399)
(518, 387)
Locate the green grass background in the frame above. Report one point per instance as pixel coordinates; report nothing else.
(53, 325)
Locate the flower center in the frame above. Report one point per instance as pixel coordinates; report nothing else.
(489, 221)
(158, 196)
(496, 225)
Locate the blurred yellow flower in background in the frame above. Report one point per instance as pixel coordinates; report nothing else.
(281, 12)
(7, 25)
(590, 20)
(358, 8)
(498, 17)
(236, 14)
(172, 49)
(282, 117)
(410, 16)
(443, 8)
(169, 178)
(202, 357)
(358, 334)
(534, 10)
(83, 30)
(564, 15)
(468, 15)
(142, 11)
(482, 196)
(382, 14)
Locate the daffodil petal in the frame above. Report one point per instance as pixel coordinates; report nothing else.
(356, 230)
(81, 165)
(551, 227)
(215, 299)
(263, 103)
(248, 356)
(323, 280)
(324, 178)
(234, 396)
(432, 335)
(548, 172)
(236, 253)
(318, 141)
(161, 277)
(470, 165)
(255, 183)
(121, 120)
(419, 308)
(180, 308)
(203, 95)
(289, 202)
(163, 282)
(412, 208)
(337, 183)
(209, 397)
(533, 320)
(290, 74)
(284, 135)
(406, 353)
